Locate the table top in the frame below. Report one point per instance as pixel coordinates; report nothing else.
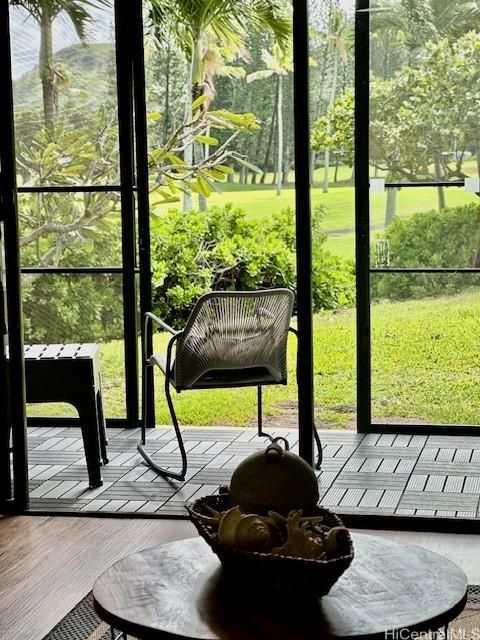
(177, 590)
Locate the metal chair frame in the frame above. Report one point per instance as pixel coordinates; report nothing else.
(150, 319)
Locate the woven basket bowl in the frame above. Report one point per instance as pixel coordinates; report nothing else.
(267, 573)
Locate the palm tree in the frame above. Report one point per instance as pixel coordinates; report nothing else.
(45, 12)
(422, 20)
(279, 64)
(196, 23)
(337, 38)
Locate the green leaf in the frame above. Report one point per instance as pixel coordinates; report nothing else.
(224, 169)
(203, 186)
(198, 102)
(207, 140)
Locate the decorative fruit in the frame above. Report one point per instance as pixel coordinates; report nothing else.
(252, 532)
(227, 527)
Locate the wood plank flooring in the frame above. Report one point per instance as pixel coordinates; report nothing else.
(48, 564)
(413, 476)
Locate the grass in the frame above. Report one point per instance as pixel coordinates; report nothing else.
(261, 201)
(425, 359)
(425, 354)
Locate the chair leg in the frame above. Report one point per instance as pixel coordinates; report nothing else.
(318, 442)
(140, 447)
(261, 432)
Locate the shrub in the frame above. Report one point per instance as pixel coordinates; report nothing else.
(449, 238)
(197, 252)
(72, 308)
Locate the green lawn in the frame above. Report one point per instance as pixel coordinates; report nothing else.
(426, 366)
(426, 354)
(261, 201)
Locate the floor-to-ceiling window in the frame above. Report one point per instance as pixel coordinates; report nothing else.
(424, 212)
(76, 189)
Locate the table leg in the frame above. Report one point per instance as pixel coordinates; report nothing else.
(101, 427)
(88, 413)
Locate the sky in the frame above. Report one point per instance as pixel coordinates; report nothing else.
(25, 36)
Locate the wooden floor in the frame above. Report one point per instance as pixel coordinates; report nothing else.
(48, 564)
(400, 475)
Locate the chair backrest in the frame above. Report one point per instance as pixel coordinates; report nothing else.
(233, 330)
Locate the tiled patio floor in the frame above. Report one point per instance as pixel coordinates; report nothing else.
(402, 475)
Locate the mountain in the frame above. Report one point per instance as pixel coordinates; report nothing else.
(89, 68)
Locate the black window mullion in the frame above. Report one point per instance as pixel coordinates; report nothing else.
(13, 370)
(123, 27)
(362, 213)
(141, 139)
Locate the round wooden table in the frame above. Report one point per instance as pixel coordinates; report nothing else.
(177, 590)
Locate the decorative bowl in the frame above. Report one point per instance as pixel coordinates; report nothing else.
(264, 572)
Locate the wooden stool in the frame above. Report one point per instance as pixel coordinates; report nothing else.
(71, 373)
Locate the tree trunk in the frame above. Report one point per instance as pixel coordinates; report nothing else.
(442, 201)
(326, 177)
(199, 156)
(45, 68)
(188, 152)
(280, 135)
(313, 163)
(391, 208)
(286, 167)
(337, 164)
(193, 86)
(166, 115)
(257, 153)
(270, 139)
(313, 154)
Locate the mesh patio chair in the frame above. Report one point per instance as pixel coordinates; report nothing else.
(231, 339)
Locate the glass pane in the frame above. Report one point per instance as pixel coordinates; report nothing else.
(426, 348)
(241, 236)
(64, 81)
(423, 88)
(333, 193)
(410, 229)
(75, 309)
(70, 230)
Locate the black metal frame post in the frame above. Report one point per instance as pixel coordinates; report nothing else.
(18, 494)
(362, 213)
(123, 36)
(141, 138)
(303, 229)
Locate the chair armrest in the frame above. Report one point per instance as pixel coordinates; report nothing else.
(151, 318)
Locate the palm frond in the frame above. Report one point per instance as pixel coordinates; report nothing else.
(77, 10)
(228, 20)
